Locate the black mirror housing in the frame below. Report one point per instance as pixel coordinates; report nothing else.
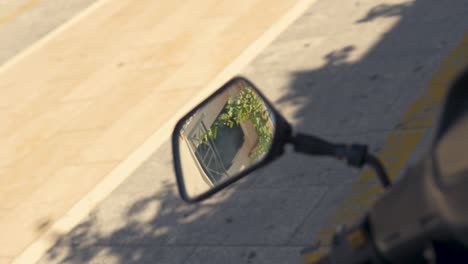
(282, 134)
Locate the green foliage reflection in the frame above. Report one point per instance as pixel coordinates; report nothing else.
(245, 106)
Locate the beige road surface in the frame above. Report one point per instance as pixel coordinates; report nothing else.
(76, 106)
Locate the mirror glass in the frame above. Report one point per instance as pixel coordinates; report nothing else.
(223, 137)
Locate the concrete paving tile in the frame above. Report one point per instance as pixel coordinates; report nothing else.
(123, 71)
(120, 255)
(146, 180)
(249, 217)
(17, 181)
(26, 132)
(33, 22)
(245, 254)
(42, 206)
(5, 260)
(317, 217)
(337, 87)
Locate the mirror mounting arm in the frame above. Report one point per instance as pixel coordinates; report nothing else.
(312, 145)
(379, 169)
(356, 155)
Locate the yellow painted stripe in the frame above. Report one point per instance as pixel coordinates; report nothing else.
(18, 11)
(398, 145)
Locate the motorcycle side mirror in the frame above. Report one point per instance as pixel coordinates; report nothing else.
(233, 132)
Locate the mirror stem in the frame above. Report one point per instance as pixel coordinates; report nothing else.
(355, 155)
(312, 145)
(375, 163)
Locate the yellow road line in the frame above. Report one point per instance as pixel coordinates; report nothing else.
(18, 11)
(399, 143)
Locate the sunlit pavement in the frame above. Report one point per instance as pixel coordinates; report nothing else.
(79, 100)
(24, 22)
(367, 71)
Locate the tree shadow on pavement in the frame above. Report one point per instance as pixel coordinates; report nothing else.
(130, 242)
(145, 221)
(268, 217)
(362, 98)
(385, 10)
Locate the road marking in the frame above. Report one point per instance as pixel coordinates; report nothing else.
(37, 45)
(399, 145)
(81, 209)
(18, 11)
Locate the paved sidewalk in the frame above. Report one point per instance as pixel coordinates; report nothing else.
(23, 22)
(74, 107)
(346, 70)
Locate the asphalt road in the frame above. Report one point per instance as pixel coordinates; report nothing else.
(348, 71)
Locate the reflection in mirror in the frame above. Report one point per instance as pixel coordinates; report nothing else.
(225, 136)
